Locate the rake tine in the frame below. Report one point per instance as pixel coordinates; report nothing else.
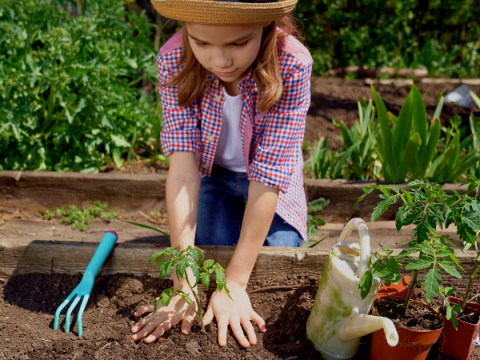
(69, 313)
(60, 308)
(80, 313)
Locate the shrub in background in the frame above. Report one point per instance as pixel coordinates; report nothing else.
(440, 35)
(70, 84)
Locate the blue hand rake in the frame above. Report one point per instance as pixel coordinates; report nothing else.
(86, 285)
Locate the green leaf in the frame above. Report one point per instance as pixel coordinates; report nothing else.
(149, 227)
(155, 304)
(406, 252)
(386, 135)
(208, 263)
(450, 269)
(433, 137)
(166, 268)
(383, 206)
(205, 278)
(475, 98)
(366, 191)
(220, 279)
(431, 283)
(119, 140)
(418, 264)
(419, 114)
(131, 62)
(365, 284)
(387, 251)
(411, 151)
(181, 267)
(167, 296)
(402, 129)
(392, 265)
(438, 109)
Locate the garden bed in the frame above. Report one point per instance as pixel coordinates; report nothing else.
(28, 303)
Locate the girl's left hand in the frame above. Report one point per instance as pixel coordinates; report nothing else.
(236, 313)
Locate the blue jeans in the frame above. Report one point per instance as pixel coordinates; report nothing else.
(221, 206)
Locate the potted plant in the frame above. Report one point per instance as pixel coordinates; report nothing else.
(462, 320)
(426, 206)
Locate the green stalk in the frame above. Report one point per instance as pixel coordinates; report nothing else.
(199, 311)
(410, 290)
(472, 276)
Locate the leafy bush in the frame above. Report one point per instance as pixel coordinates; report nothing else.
(440, 35)
(70, 84)
(406, 146)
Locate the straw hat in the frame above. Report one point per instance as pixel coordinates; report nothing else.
(224, 11)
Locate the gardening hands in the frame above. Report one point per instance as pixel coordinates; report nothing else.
(237, 314)
(156, 324)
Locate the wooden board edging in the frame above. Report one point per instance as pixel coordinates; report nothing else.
(20, 257)
(130, 193)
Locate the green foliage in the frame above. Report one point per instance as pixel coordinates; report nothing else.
(70, 85)
(192, 258)
(439, 35)
(427, 206)
(80, 218)
(314, 220)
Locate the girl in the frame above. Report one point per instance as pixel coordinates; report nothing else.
(235, 89)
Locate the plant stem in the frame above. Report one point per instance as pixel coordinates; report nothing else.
(472, 276)
(410, 290)
(199, 311)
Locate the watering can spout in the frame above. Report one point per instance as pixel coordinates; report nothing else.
(359, 325)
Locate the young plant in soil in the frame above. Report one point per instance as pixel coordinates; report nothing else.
(464, 212)
(192, 258)
(425, 205)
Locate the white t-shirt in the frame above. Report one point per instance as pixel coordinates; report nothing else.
(229, 153)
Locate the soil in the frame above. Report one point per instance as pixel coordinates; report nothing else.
(417, 316)
(28, 304)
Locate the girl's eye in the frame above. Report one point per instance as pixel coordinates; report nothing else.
(200, 44)
(242, 44)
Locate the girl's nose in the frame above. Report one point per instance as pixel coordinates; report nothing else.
(221, 59)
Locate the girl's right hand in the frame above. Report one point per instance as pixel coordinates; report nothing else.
(154, 325)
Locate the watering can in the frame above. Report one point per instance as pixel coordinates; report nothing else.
(338, 319)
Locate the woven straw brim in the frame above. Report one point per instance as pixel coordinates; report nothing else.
(220, 12)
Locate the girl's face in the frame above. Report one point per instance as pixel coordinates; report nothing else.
(226, 50)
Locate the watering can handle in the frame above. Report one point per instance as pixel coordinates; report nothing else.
(359, 224)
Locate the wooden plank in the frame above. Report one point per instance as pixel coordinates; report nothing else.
(37, 191)
(19, 257)
(129, 193)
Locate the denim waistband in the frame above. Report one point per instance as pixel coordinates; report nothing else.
(220, 171)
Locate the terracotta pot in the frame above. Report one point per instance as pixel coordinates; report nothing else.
(400, 290)
(412, 344)
(458, 344)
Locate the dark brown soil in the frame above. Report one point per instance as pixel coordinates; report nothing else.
(417, 316)
(28, 304)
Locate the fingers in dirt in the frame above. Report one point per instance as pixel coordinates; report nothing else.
(247, 326)
(222, 331)
(239, 335)
(188, 322)
(143, 309)
(159, 331)
(259, 320)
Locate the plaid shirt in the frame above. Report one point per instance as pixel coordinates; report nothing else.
(272, 140)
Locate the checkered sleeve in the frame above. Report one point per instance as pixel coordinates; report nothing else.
(180, 131)
(281, 131)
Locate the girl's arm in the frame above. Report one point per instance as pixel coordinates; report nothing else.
(182, 189)
(262, 201)
(259, 213)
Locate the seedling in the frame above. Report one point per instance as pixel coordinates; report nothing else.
(425, 205)
(192, 258)
(80, 218)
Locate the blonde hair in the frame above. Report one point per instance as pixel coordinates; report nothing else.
(192, 80)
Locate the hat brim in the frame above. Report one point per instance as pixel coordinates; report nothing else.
(223, 12)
